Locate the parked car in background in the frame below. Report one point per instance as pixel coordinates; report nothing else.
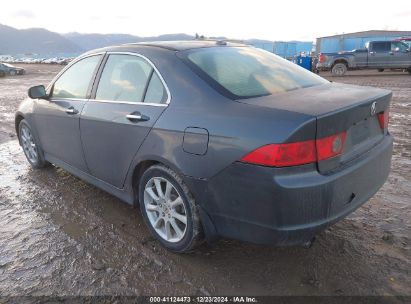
(378, 55)
(212, 139)
(9, 69)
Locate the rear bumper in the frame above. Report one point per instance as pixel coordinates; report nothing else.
(286, 206)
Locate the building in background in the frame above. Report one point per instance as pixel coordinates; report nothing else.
(290, 49)
(285, 49)
(351, 41)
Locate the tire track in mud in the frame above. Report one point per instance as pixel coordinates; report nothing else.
(53, 244)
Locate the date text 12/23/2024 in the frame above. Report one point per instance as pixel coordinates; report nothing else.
(204, 299)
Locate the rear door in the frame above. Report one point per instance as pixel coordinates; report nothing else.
(129, 97)
(379, 54)
(400, 55)
(57, 119)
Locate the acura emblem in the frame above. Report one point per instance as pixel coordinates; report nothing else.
(373, 108)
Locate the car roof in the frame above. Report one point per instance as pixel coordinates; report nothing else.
(187, 44)
(174, 45)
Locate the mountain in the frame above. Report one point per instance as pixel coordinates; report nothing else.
(49, 44)
(93, 41)
(35, 40)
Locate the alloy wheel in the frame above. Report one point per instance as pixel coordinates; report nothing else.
(165, 209)
(28, 144)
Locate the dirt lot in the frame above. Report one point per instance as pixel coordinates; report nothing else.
(61, 236)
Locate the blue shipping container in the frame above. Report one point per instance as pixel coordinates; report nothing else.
(286, 49)
(292, 48)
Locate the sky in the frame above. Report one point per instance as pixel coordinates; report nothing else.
(236, 19)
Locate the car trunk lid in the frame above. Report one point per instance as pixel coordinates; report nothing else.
(338, 109)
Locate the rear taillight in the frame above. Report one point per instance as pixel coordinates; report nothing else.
(383, 118)
(321, 58)
(283, 155)
(297, 153)
(330, 146)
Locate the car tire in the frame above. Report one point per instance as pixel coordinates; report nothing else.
(12, 72)
(380, 70)
(339, 69)
(31, 147)
(169, 209)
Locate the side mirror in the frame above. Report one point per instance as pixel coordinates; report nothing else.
(38, 92)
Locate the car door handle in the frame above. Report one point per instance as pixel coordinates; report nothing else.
(134, 117)
(71, 111)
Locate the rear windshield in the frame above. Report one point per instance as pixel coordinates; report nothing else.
(245, 72)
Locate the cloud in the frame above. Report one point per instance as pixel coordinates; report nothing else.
(403, 14)
(122, 17)
(23, 13)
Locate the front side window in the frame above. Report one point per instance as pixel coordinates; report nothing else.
(244, 72)
(398, 46)
(75, 81)
(129, 78)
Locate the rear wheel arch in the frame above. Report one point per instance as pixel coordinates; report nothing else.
(138, 171)
(141, 167)
(343, 61)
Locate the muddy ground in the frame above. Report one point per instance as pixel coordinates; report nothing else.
(61, 236)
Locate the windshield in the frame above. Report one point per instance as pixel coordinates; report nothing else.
(245, 72)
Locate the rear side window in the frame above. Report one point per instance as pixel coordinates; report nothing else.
(129, 78)
(75, 81)
(381, 47)
(244, 72)
(156, 92)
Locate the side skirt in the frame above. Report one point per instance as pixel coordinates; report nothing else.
(119, 193)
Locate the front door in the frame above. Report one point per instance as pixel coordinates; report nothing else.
(57, 119)
(129, 98)
(400, 55)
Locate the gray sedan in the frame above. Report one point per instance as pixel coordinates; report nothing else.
(9, 69)
(212, 139)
